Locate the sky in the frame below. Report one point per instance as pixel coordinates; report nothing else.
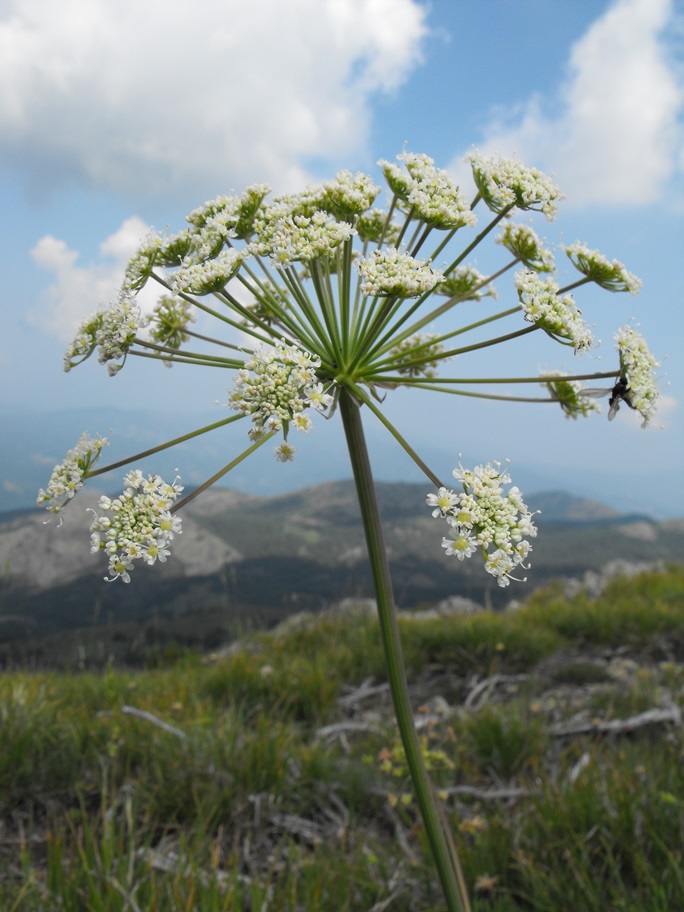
(118, 117)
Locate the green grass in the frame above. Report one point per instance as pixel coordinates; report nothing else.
(243, 805)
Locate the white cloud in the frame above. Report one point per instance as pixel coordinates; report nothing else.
(154, 97)
(79, 290)
(615, 135)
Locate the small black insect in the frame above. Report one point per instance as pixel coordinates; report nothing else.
(617, 395)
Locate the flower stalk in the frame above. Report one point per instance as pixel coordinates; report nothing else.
(447, 863)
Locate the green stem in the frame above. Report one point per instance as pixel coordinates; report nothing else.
(165, 446)
(447, 863)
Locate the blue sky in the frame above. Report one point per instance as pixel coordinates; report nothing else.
(116, 117)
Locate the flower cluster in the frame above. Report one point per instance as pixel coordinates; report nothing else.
(349, 195)
(559, 317)
(170, 320)
(610, 275)
(68, 476)
(113, 331)
(418, 355)
(435, 198)
(208, 276)
(569, 394)
(637, 367)
(505, 182)
(465, 283)
(274, 387)
(523, 243)
(303, 238)
(485, 518)
(390, 273)
(137, 525)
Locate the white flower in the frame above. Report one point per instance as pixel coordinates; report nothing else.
(611, 275)
(523, 243)
(484, 517)
(209, 276)
(434, 195)
(284, 452)
(443, 501)
(68, 476)
(117, 331)
(465, 283)
(569, 395)
(505, 181)
(274, 387)
(391, 273)
(637, 367)
(138, 525)
(557, 316)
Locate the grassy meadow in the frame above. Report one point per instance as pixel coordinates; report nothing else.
(270, 777)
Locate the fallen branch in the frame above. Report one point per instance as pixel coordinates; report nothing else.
(480, 693)
(148, 717)
(671, 714)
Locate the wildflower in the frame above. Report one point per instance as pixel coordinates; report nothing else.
(391, 273)
(170, 319)
(569, 394)
(483, 517)
(285, 452)
(84, 342)
(465, 283)
(207, 277)
(371, 226)
(118, 330)
(69, 475)
(141, 264)
(503, 182)
(418, 355)
(557, 316)
(637, 368)
(349, 195)
(435, 197)
(443, 502)
(274, 387)
(523, 243)
(300, 237)
(138, 525)
(611, 275)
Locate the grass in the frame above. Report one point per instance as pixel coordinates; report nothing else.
(251, 799)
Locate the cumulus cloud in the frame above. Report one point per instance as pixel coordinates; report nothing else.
(155, 97)
(78, 290)
(613, 132)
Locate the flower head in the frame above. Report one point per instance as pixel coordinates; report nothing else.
(523, 243)
(418, 355)
(637, 368)
(557, 316)
(138, 525)
(391, 273)
(569, 395)
(505, 182)
(209, 276)
(274, 388)
(118, 329)
(435, 197)
(69, 475)
(169, 321)
(611, 275)
(486, 518)
(465, 283)
(349, 195)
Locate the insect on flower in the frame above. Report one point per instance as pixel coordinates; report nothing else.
(617, 393)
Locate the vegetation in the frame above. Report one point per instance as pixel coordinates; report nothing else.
(270, 777)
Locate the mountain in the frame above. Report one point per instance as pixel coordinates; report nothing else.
(245, 561)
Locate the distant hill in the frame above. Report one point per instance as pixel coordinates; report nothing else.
(245, 561)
